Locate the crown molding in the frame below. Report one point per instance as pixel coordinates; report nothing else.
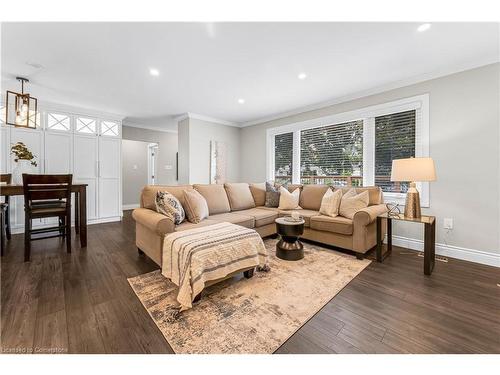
(376, 90)
(139, 126)
(206, 118)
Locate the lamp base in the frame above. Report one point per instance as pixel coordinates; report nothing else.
(412, 204)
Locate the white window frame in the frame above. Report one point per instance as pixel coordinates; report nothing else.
(419, 103)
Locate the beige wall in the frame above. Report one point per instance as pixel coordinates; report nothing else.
(464, 142)
(194, 150)
(167, 149)
(134, 170)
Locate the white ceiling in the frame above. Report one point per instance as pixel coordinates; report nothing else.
(205, 67)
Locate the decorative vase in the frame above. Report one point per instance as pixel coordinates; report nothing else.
(22, 166)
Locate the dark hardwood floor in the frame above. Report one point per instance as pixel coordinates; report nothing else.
(82, 303)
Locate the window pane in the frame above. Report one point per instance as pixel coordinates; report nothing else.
(394, 139)
(332, 154)
(283, 158)
(57, 121)
(109, 128)
(85, 125)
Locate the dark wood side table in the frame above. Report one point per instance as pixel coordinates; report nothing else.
(289, 247)
(429, 238)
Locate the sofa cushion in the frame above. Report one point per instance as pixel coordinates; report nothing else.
(374, 193)
(148, 194)
(289, 200)
(170, 206)
(239, 195)
(196, 206)
(235, 218)
(330, 203)
(258, 191)
(272, 195)
(336, 224)
(187, 225)
(311, 196)
(216, 197)
(306, 214)
(262, 216)
(352, 203)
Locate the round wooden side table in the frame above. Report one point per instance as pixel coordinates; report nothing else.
(289, 246)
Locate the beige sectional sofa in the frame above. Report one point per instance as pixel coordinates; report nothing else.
(243, 204)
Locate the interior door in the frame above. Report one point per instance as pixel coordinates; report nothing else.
(109, 177)
(33, 139)
(85, 169)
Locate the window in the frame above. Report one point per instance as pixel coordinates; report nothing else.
(109, 128)
(394, 139)
(85, 125)
(332, 154)
(283, 158)
(353, 148)
(57, 121)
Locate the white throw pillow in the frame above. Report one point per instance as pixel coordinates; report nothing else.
(330, 203)
(289, 201)
(352, 203)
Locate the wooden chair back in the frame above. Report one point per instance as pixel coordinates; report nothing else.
(6, 177)
(38, 187)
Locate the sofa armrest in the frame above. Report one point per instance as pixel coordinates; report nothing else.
(156, 222)
(369, 214)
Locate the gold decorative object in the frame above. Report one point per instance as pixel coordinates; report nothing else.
(21, 108)
(411, 170)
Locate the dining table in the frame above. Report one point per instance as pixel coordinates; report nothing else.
(80, 206)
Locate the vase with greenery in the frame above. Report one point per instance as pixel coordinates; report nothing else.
(24, 160)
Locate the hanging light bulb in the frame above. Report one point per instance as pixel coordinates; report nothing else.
(20, 113)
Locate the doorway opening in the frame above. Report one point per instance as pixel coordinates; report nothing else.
(152, 163)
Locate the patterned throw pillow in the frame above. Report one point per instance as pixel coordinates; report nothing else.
(272, 195)
(352, 202)
(170, 206)
(330, 203)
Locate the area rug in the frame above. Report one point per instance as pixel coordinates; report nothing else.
(254, 315)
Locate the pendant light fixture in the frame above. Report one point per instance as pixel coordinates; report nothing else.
(21, 108)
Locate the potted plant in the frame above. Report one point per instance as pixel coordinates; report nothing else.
(24, 160)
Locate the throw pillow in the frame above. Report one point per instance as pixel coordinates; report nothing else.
(330, 203)
(169, 206)
(272, 195)
(196, 206)
(289, 201)
(352, 203)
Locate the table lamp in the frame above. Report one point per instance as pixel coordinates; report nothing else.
(413, 170)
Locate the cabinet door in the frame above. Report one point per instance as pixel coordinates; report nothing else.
(33, 139)
(4, 149)
(85, 169)
(109, 177)
(58, 156)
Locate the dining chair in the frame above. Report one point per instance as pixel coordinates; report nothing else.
(47, 196)
(6, 178)
(3, 210)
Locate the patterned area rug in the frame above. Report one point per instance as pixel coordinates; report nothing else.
(254, 315)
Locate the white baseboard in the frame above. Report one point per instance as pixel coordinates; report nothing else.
(130, 206)
(20, 228)
(471, 255)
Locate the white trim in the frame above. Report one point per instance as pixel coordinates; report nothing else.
(206, 118)
(376, 90)
(18, 229)
(471, 255)
(134, 125)
(130, 206)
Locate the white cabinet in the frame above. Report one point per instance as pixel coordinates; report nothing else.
(109, 177)
(85, 154)
(87, 147)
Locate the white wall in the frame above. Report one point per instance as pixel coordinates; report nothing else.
(134, 170)
(464, 142)
(194, 150)
(167, 149)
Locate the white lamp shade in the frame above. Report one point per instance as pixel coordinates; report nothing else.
(413, 170)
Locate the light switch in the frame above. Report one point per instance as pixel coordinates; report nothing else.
(135, 166)
(168, 167)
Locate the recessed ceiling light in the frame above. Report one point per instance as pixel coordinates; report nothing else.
(241, 101)
(154, 72)
(302, 76)
(424, 27)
